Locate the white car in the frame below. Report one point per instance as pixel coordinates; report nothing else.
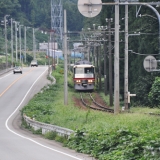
(34, 63)
(17, 70)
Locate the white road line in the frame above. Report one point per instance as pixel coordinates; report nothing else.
(6, 124)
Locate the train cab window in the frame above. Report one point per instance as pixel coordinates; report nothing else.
(79, 70)
(88, 70)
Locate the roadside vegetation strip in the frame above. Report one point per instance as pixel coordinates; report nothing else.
(105, 136)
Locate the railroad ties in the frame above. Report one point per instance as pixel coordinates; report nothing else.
(95, 105)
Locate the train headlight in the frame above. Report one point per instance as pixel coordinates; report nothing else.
(78, 81)
(90, 81)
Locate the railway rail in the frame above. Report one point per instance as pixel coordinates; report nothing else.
(94, 105)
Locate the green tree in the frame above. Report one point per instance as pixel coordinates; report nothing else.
(9, 7)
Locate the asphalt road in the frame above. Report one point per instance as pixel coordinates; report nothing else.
(17, 143)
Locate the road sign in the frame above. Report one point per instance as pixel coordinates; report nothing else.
(150, 63)
(89, 8)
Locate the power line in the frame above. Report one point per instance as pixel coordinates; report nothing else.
(142, 54)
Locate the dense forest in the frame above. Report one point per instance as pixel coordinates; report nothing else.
(37, 14)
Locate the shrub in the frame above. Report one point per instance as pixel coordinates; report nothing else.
(154, 94)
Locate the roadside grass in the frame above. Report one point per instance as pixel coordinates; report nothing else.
(133, 135)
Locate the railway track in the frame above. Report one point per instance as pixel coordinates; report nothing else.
(90, 102)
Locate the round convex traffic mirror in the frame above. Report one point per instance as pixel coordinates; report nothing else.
(89, 8)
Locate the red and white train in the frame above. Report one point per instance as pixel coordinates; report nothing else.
(84, 75)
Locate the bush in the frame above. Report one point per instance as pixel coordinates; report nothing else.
(154, 94)
(120, 144)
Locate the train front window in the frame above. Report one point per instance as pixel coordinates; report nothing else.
(89, 70)
(79, 70)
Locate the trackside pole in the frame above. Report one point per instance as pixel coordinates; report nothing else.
(65, 61)
(116, 60)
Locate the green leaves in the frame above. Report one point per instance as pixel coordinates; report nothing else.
(118, 144)
(154, 94)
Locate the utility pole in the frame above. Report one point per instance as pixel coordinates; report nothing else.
(116, 60)
(20, 49)
(16, 38)
(49, 41)
(25, 41)
(88, 50)
(52, 47)
(99, 57)
(25, 30)
(126, 60)
(12, 40)
(34, 54)
(54, 50)
(105, 64)
(6, 41)
(110, 62)
(68, 56)
(65, 60)
(97, 77)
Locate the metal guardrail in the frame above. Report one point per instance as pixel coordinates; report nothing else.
(5, 71)
(47, 127)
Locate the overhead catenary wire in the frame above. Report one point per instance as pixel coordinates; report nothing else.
(142, 54)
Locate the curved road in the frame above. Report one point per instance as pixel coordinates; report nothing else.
(17, 143)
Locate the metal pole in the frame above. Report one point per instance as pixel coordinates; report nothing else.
(94, 54)
(12, 40)
(97, 65)
(20, 41)
(33, 44)
(116, 60)
(65, 61)
(74, 56)
(5, 25)
(25, 42)
(88, 51)
(105, 65)
(48, 54)
(99, 57)
(126, 60)
(68, 58)
(52, 47)
(110, 64)
(16, 38)
(54, 51)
